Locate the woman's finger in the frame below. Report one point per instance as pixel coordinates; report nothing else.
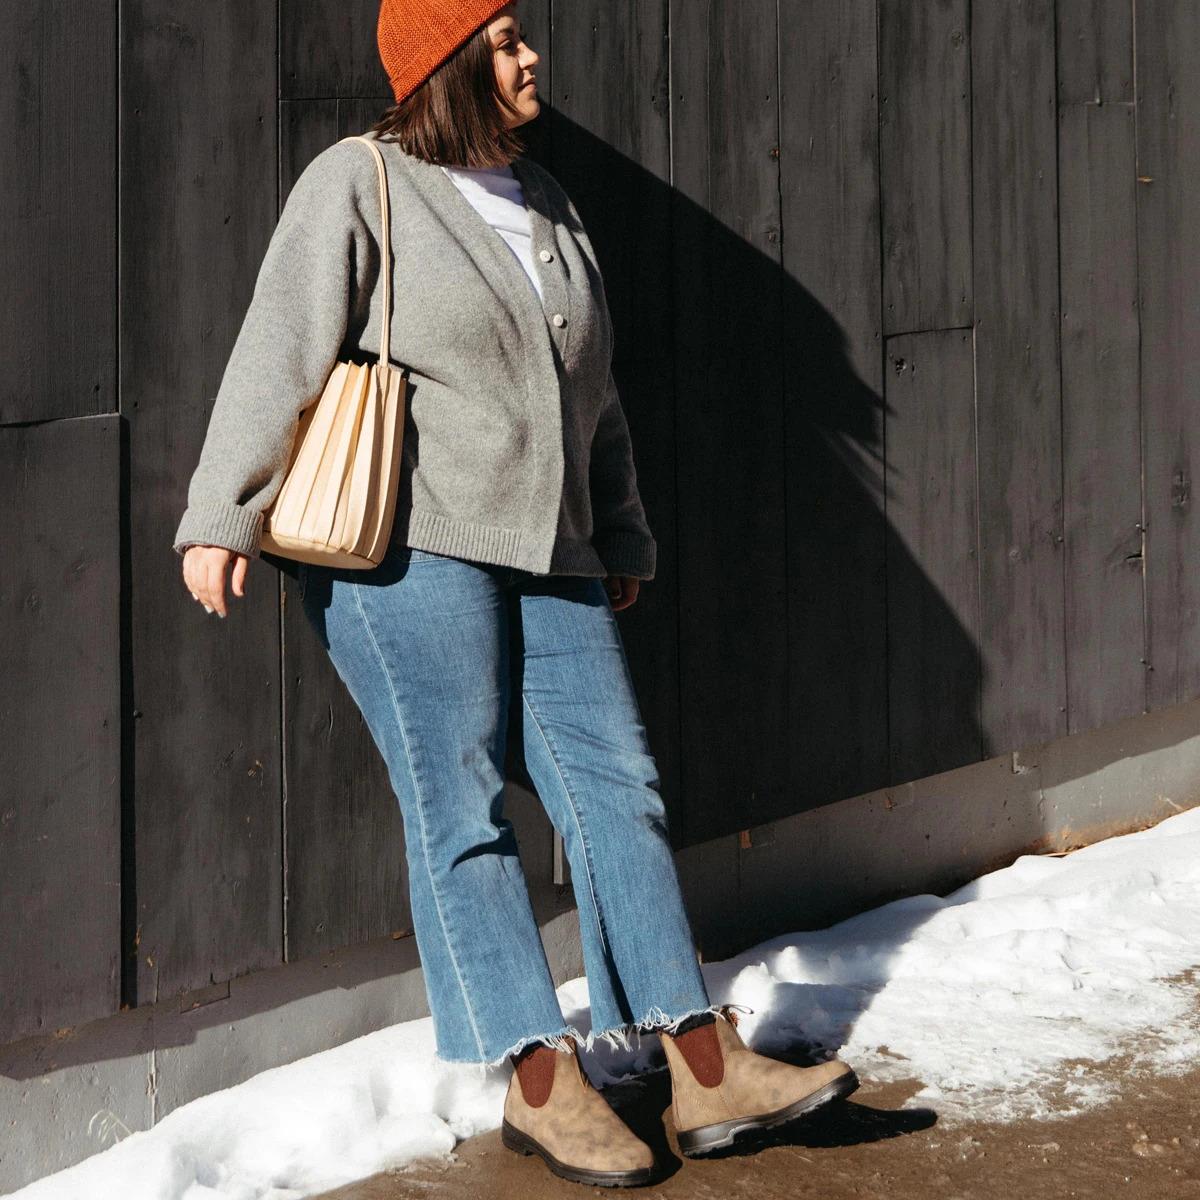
(192, 578)
(240, 566)
(622, 590)
(214, 591)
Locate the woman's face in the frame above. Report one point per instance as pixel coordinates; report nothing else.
(514, 62)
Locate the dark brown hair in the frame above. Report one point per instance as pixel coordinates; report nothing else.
(456, 117)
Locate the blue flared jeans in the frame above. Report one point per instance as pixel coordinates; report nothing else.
(434, 650)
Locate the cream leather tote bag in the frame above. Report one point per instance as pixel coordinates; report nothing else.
(338, 498)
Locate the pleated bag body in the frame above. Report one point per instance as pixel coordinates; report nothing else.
(337, 503)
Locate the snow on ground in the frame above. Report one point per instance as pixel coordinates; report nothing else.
(1010, 985)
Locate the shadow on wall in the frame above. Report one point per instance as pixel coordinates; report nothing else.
(810, 634)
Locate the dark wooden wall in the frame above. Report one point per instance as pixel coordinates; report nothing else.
(905, 297)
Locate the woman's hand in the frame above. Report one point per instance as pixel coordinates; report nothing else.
(204, 575)
(622, 590)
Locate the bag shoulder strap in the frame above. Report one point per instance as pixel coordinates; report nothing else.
(386, 236)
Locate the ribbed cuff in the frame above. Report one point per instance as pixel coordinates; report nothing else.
(625, 553)
(215, 524)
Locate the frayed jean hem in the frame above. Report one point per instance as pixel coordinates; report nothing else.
(562, 1040)
(655, 1021)
(627, 1036)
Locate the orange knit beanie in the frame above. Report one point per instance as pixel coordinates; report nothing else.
(417, 36)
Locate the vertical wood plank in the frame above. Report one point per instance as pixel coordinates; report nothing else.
(1168, 172)
(60, 710)
(732, 544)
(925, 164)
(345, 870)
(1017, 370)
(328, 50)
(198, 206)
(611, 149)
(1095, 51)
(933, 574)
(831, 356)
(58, 199)
(1102, 501)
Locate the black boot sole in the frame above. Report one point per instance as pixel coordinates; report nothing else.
(706, 1138)
(522, 1143)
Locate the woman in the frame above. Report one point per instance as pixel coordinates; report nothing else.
(519, 531)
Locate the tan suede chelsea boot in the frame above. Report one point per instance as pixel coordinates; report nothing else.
(553, 1110)
(721, 1087)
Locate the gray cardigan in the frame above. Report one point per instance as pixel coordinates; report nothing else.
(516, 448)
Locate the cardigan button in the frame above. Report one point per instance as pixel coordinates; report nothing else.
(559, 320)
(545, 256)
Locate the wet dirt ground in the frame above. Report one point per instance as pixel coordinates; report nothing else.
(1146, 1144)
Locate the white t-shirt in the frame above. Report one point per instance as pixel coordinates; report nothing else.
(495, 193)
